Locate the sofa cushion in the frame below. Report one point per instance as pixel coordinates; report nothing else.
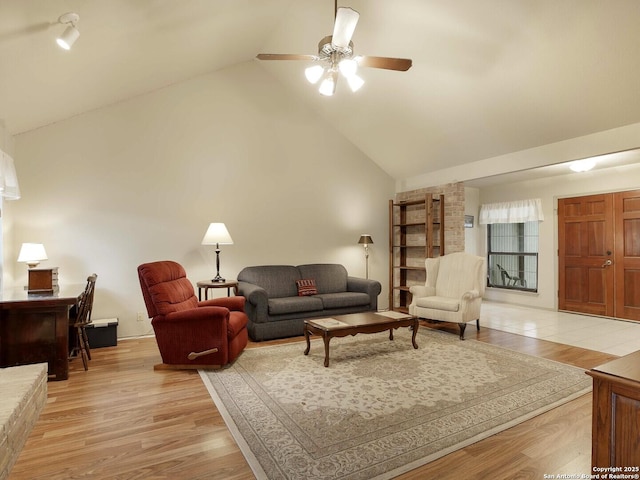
(306, 286)
(344, 299)
(277, 280)
(439, 303)
(329, 277)
(279, 306)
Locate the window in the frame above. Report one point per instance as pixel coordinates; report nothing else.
(513, 255)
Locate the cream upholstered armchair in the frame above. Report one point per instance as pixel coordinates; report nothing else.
(453, 290)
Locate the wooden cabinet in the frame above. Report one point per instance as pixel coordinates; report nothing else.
(416, 232)
(43, 280)
(615, 431)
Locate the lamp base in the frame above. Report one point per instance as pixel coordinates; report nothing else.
(218, 279)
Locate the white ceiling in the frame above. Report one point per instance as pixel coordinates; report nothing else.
(489, 77)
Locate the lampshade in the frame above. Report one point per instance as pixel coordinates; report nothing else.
(328, 85)
(348, 67)
(355, 82)
(217, 234)
(365, 240)
(32, 254)
(314, 73)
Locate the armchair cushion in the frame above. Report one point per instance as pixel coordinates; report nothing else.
(439, 303)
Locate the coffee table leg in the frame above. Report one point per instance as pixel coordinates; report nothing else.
(415, 331)
(326, 349)
(391, 334)
(306, 336)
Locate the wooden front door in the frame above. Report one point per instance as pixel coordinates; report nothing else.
(627, 255)
(599, 254)
(585, 246)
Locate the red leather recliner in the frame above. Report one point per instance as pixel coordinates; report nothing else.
(191, 333)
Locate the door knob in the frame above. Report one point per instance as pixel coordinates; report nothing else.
(607, 263)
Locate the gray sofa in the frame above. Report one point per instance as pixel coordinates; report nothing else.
(275, 309)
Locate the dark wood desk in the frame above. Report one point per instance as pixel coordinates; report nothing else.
(35, 328)
(616, 415)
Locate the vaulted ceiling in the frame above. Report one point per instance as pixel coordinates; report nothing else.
(489, 77)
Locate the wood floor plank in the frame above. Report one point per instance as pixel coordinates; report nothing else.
(123, 420)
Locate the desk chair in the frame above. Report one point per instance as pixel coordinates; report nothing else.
(80, 317)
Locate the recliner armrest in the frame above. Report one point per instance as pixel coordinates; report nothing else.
(235, 304)
(200, 314)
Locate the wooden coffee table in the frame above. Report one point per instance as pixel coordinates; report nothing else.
(353, 323)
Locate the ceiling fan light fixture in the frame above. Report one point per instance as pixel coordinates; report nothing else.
(328, 85)
(314, 73)
(355, 82)
(348, 67)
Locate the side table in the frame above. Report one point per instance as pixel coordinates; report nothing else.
(207, 284)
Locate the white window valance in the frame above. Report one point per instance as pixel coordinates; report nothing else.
(9, 187)
(512, 212)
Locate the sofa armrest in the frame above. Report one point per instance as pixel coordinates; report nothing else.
(363, 285)
(257, 301)
(370, 287)
(235, 304)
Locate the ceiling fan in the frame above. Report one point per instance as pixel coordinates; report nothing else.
(335, 54)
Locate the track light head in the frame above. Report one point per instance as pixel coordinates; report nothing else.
(71, 33)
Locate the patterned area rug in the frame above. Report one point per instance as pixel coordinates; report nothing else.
(381, 408)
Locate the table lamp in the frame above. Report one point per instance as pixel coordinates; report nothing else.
(217, 234)
(32, 254)
(366, 240)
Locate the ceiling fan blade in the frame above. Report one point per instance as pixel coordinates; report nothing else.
(388, 63)
(285, 56)
(346, 21)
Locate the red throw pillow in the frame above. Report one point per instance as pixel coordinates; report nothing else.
(306, 287)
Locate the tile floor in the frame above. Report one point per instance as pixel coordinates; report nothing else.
(616, 337)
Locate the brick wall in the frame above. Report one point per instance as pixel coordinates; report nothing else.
(453, 235)
(453, 212)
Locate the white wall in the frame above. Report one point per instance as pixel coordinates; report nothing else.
(549, 190)
(472, 236)
(6, 265)
(141, 180)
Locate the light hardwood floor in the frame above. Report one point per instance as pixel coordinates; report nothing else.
(123, 420)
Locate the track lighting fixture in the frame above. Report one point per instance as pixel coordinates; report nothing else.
(71, 33)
